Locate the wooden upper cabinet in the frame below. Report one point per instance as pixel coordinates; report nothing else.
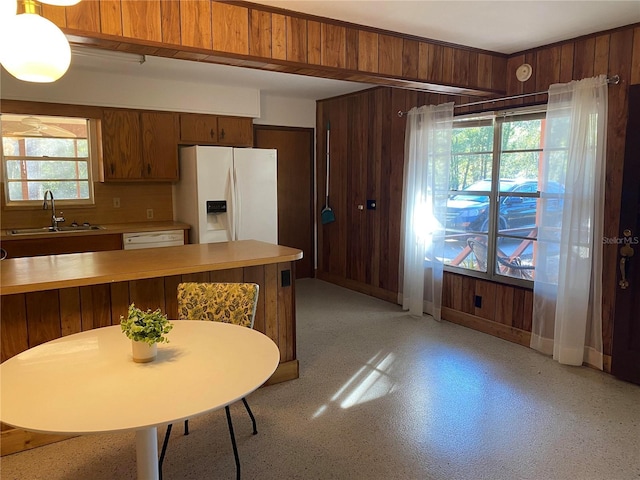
(197, 128)
(159, 145)
(139, 145)
(235, 131)
(204, 129)
(121, 145)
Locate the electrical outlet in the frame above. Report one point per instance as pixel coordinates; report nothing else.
(478, 301)
(149, 213)
(116, 202)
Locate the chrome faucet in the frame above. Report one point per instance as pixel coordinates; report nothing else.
(54, 220)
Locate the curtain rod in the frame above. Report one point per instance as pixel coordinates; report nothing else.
(614, 80)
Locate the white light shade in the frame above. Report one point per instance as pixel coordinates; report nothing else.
(59, 3)
(8, 9)
(39, 51)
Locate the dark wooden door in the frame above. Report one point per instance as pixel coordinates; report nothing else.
(625, 361)
(295, 189)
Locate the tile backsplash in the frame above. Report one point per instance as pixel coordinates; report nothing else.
(134, 200)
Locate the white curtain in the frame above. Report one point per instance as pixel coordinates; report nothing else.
(424, 202)
(567, 309)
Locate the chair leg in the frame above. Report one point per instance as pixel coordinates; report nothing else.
(253, 419)
(186, 427)
(164, 450)
(233, 442)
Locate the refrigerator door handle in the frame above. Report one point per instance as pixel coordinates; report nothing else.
(232, 201)
(238, 210)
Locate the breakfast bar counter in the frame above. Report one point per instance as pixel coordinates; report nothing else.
(31, 274)
(48, 297)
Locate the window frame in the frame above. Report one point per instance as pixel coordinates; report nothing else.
(497, 118)
(91, 159)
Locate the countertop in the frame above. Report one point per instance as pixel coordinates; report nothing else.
(107, 229)
(32, 274)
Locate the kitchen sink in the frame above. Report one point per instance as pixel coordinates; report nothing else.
(35, 231)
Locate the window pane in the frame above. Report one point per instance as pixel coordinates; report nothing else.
(471, 169)
(467, 213)
(13, 169)
(466, 252)
(51, 147)
(15, 192)
(557, 165)
(10, 146)
(47, 169)
(520, 165)
(472, 139)
(521, 134)
(62, 190)
(518, 215)
(472, 156)
(516, 258)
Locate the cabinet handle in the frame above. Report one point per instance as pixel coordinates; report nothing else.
(149, 168)
(211, 134)
(113, 169)
(222, 134)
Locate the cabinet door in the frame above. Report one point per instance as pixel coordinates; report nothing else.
(196, 128)
(235, 131)
(121, 145)
(159, 146)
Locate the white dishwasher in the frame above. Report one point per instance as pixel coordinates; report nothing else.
(164, 238)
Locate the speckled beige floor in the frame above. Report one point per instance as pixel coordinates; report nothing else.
(385, 396)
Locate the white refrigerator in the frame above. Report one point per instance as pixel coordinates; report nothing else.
(227, 194)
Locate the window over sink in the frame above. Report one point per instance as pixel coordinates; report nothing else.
(41, 153)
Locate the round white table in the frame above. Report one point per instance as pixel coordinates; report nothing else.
(88, 383)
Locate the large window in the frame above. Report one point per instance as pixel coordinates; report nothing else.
(42, 153)
(492, 210)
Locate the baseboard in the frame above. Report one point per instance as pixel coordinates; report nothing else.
(16, 440)
(483, 325)
(286, 371)
(358, 286)
(500, 330)
(606, 363)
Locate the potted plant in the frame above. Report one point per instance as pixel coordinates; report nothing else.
(146, 330)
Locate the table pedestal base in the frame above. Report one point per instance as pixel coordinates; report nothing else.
(147, 453)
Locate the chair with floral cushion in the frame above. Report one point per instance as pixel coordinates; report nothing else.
(217, 302)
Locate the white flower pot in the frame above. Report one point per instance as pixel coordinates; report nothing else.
(143, 352)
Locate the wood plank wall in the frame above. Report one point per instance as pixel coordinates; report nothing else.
(258, 36)
(361, 249)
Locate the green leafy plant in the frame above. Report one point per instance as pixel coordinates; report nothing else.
(149, 327)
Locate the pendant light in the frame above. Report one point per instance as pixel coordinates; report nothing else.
(60, 3)
(34, 48)
(8, 9)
